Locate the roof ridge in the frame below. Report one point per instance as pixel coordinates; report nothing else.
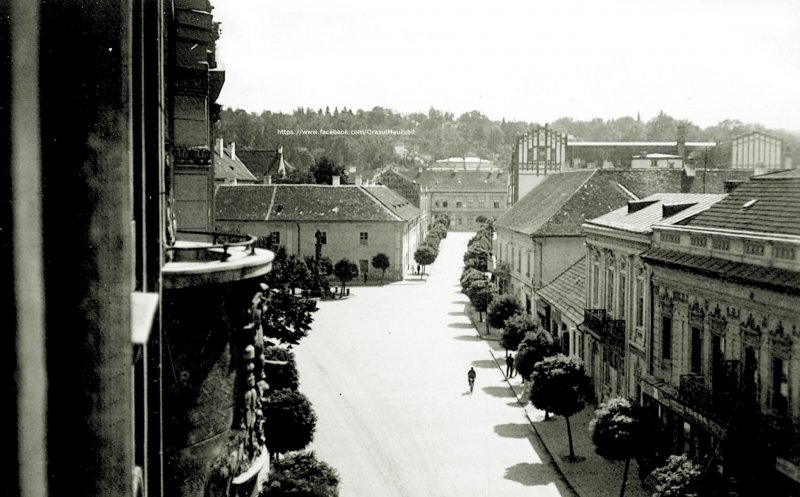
(380, 203)
(271, 203)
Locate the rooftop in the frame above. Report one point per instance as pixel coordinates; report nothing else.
(561, 203)
(462, 181)
(652, 211)
(566, 291)
(766, 204)
(230, 169)
(310, 203)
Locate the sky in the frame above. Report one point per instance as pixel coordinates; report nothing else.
(535, 61)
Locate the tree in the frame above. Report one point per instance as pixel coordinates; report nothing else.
(345, 271)
(534, 347)
(678, 478)
(480, 294)
(281, 376)
(301, 475)
(515, 329)
(502, 308)
(325, 169)
(557, 386)
(616, 432)
(295, 176)
(468, 276)
(424, 255)
(381, 261)
(286, 317)
(291, 419)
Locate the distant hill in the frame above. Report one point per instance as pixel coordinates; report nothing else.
(424, 137)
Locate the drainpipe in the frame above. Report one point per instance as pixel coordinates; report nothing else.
(649, 335)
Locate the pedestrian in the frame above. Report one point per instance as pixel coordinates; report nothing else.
(509, 366)
(365, 277)
(471, 374)
(417, 269)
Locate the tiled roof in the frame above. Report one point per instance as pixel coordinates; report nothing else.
(462, 181)
(640, 221)
(262, 162)
(566, 292)
(394, 201)
(226, 168)
(788, 173)
(765, 205)
(301, 203)
(560, 204)
(781, 280)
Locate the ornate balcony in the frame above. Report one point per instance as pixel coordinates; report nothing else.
(213, 258)
(612, 331)
(694, 393)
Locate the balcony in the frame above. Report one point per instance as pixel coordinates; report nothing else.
(693, 392)
(611, 331)
(220, 258)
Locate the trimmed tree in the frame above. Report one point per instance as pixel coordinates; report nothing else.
(345, 271)
(381, 262)
(480, 294)
(557, 386)
(291, 420)
(469, 276)
(286, 317)
(423, 256)
(616, 431)
(501, 308)
(281, 376)
(534, 347)
(515, 329)
(301, 475)
(677, 478)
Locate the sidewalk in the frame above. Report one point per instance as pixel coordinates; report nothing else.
(592, 476)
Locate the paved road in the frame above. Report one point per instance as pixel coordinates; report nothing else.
(386, 372)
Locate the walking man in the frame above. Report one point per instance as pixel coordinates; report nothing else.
(509, 366)
(471, 374)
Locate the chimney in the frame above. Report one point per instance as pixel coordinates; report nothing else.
(358, 180)
(689, 168)
(335, 180)
(268, 179)
(233, 150)
(787, 161)
(682, 140)
(221, 146)
(731, 185)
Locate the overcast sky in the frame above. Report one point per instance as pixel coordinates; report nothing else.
(702, 60)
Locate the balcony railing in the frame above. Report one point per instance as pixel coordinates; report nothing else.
(694, 393)
(610, 330)
(218, 250)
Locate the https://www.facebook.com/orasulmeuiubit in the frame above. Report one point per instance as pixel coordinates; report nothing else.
(346, 132)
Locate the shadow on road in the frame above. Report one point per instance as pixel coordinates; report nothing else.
(456, 313)
(460, 302)
(529, 474)
(515, 403)
(462, 326)
(513, 430)
(487, 364)
(499, 391)
(468, 338)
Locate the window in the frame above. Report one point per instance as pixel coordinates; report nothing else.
(363, 266)
(666, 337)
(275, 238)
(519, 260)
(459, 204)
(753, 248)
(784, 252)
(639, 301)
(721, 244)
(469, 203)
(363, 238)
(444, 203)
(595, 281)
(458, 221)
(436, 203)
(610, 290)
(780, 386)
(697, 241)
(480, 204)
(528, 270)
(496, 204)
(623, 282)
(697, 351)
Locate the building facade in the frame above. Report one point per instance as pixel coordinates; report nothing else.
(723, 369)
(464, 195)
(759, 150)
(356, 222)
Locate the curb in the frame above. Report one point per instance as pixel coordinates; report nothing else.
(525, 407)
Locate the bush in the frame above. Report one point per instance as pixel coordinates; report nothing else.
(301, 475)
(679, 477)
(281, 376)
(290, 421)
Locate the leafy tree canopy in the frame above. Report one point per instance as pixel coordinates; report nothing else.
(325, 169)
(502, 308)
(534, 347)
(291, 419)
(515, 329)
(425, 255)
(301, 475)
(558, 383)
(281, 376)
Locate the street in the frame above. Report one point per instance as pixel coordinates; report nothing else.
(386, 371)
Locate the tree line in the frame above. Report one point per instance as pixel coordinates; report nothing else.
(438, 134)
